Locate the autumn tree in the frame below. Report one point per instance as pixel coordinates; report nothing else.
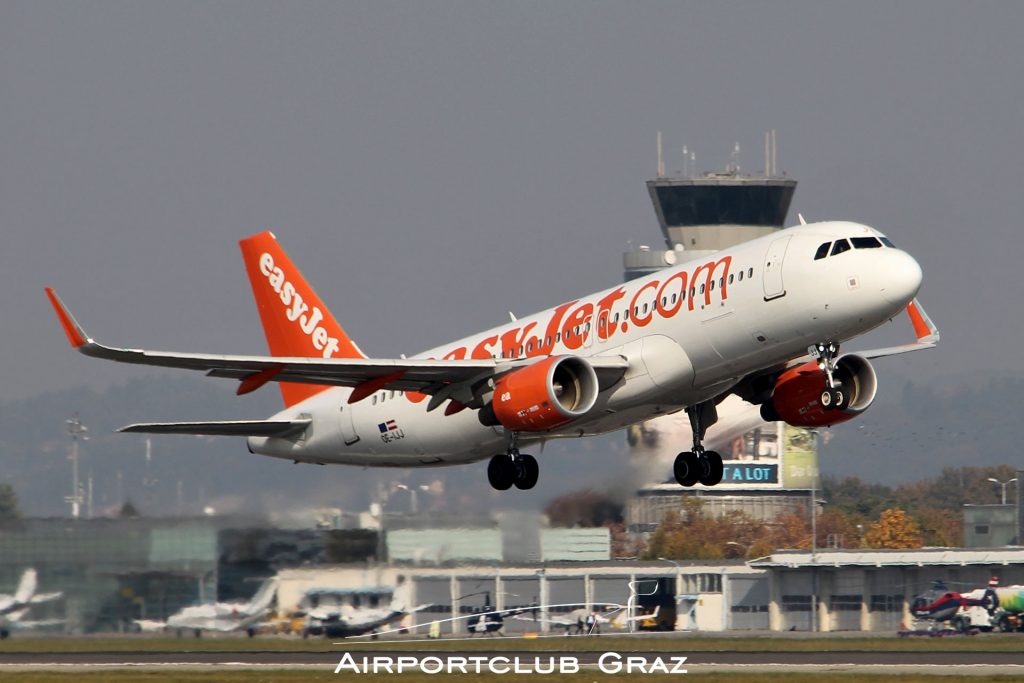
(894, 529)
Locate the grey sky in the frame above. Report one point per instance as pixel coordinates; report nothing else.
(430, 165)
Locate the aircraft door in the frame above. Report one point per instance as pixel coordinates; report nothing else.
(773, 285)
(348, 429)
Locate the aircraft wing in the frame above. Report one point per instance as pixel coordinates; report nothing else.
(278, 428)
(46, 597)
(365, 375)
(926, 331)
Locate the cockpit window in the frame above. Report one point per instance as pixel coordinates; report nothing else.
(840, 246)
(822, 251)
(887, 242)
(866, 243)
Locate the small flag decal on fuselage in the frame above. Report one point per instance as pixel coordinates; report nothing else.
(388, 426)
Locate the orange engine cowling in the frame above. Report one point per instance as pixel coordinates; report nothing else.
(545, 395)
(796, 398)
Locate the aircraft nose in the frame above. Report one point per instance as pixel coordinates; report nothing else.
(902, 277)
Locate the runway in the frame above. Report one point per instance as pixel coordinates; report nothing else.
(937, 663)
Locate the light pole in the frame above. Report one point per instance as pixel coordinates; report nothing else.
(1002, 486)
(78, 432)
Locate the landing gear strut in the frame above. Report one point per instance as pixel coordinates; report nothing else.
(513, 468)
(832, 396)
(699, 465)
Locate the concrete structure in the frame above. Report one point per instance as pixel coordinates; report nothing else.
(989, 526)
(871, 590)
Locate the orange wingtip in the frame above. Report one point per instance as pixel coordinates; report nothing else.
(73, 331)
(921, 327)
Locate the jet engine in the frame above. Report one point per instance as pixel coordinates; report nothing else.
(796, 398)
(543, 396)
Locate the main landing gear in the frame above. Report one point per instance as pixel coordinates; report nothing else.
(513, 468)
(832, 396)
(699, 465)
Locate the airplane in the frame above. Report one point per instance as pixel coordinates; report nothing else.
(14, 608)
(221, 617)
(329, 614)
(488, 621)
(763, 320)
(584, 622)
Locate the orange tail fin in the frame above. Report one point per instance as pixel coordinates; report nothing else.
(295, 320)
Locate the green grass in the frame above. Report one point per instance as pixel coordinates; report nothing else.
(682, 643)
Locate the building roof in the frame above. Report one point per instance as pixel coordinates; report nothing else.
(883, 558)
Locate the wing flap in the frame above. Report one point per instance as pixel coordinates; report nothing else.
(279, 428)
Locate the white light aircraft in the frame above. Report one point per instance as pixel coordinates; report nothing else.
(222, 617)
(14, 608)
(762, 320)
(336, 616)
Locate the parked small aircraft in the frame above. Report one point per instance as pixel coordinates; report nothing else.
(14, 608)
(222, 617)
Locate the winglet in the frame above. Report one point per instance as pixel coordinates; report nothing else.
(924, 328)
(75, 334)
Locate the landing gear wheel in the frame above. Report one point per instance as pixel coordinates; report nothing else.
(501, 472)
(711, 469)
(827, 399)
(528, 471)
(841, 400)
(687, 468)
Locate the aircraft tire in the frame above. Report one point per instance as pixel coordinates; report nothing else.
(529, 472)
(501, 473)
(686, 468)
(827, 399)
(841, 399)
(711, 468)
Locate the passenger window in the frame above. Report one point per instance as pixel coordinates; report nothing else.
(712, 287)
(702, 289)
(840, 246)
(741, 276)
(547, 342)
(529, 346)
(730, 278)
(616, 318)
(693, 292)
(822, 251)
(866, 243)
(750, 272)
(645, 309)
(721, 282)
(674, 297)
(558, 337)
(374, 399)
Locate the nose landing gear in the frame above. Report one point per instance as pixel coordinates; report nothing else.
(832, 396)
(698, 465)
(513, 468)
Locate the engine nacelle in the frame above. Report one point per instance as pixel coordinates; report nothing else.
(544, 395)
(796, 398)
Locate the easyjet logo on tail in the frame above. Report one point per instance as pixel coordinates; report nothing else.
(296, 310)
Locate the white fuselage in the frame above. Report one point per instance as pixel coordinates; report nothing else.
(689, 334)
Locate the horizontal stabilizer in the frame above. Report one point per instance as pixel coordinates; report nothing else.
(223, 428)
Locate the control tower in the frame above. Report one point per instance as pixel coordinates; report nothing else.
(702, 213)
(766, 473)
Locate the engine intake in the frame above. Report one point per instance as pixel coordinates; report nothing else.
(543, 396)
(796, 398)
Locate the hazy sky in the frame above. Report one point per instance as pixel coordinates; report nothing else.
(431, 165)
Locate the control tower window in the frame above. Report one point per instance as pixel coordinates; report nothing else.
(840, 247)
(822, 251)
(865, 243)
